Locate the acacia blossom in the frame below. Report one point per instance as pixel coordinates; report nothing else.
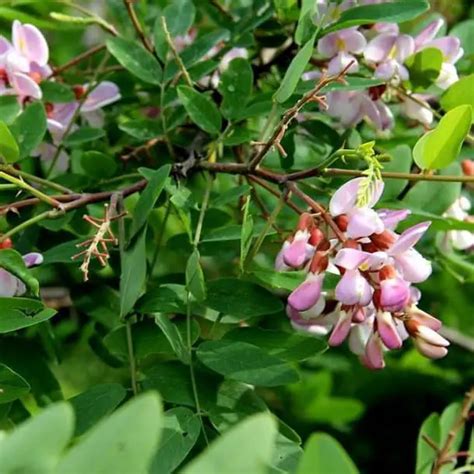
(460, 239)
(374, 303)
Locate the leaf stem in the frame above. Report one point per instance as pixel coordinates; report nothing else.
(19, 183)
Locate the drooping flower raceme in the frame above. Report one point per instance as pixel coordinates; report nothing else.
(374, 303)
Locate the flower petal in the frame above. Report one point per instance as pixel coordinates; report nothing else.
(394, 294)
(387, 330)
(350, 259)
(104, 94)
(339, 62)
(428, 33)
(413, 266)
(374, 353)
(428, 350)
(307, 294)
(379, 48)
(345, 198)
(30, 42)
(353, 289)
(8, 284)
(341, 329)
(364, 222)
(409, 238)
(25, 86)
(32, 259)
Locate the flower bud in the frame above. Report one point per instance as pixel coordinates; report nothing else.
(6, 244)
(342, 222)
(468, 167)
(383, 240)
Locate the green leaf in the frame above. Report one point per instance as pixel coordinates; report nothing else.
(247, 448)
(8, 146)
(401, 162)
(235, 86)
(57, 92)
(241, 299)
(181, 428)
(37, 444)
(12, 261)
(196, 51)
(202, 110)
(174, 337)
(9, 108)
(465, 32)
(280, 280)
(142, 129)
(440, 147)
(84, 135)
(149, 196)
(98, 165)
(393, 12)
(195, 277)
(425, 454)
(94, 404)
(29, 128)
(323, 454)
(295, 71)
(172, 380)
(424, 68)
(135, 59)
(179, 16)
(460, 93)
(232, 232)
(434, 197)
(18, 313)
(246, 233)
(305, 27)
(12, 385)
(123, 442)
(133, 276)
(246, 363)
(291, 347)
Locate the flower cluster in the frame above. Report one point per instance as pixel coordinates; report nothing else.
(383, 49)
(374, 303)
(24, 65)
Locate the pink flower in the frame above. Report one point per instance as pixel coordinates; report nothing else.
(351, 107)
(363, 221)
(307, 294)
(10, 285)
(389, 51)
(409, 262)
(340, 46)
(450, 46)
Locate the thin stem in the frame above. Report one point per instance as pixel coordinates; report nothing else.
(24, 185)
(191, 365)
(269, 222)
(51, 214)
(444, 454)
(318, 208)
(176, 55)
(205, 202)
(35, 179)
(79, 58)
(131, 357)
(137, 25)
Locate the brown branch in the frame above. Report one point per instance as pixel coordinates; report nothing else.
(318, 208)
(138, 27)
(444, 455)
(291, 113)
(74, 61)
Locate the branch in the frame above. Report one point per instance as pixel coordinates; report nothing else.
(138, 27)
(291, 113)
(74, 61)
(444, 455)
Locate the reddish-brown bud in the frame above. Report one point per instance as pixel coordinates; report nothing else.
(377, 91)
(316, 236)
(387, 272)
(351, 244)
(324, 245)
(468, 167)
(369, 247)
(3, 75)
(376, 298)
(383, 241)
(49, 108)
(6, 244)
(36, 76)
(342, 221)
(319, 263)
(79, 91)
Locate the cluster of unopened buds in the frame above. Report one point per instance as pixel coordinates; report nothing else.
(374, 304)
